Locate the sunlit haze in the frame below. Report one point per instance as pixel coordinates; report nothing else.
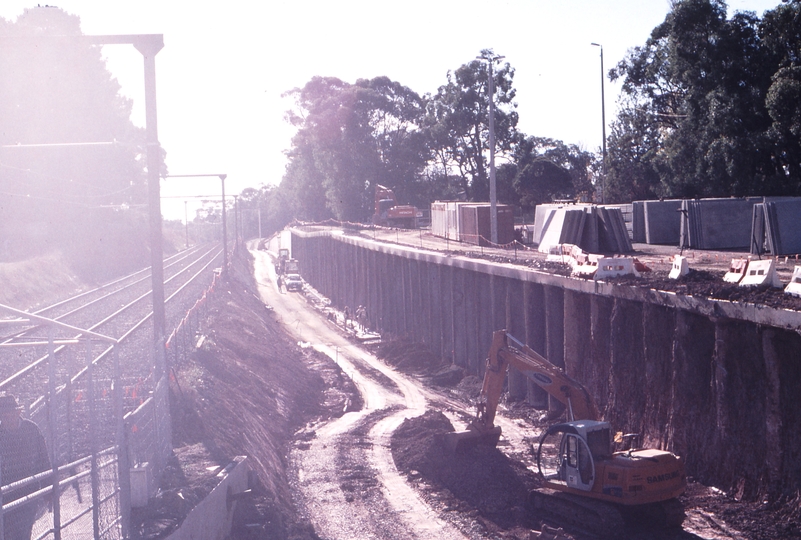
(223, 70)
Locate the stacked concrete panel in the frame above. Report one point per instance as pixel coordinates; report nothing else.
(662, 222)
(638, 222)
(562, 226)
(775, 227)
(593, 228)
(612, 234)
(717, 223)
(475, 224)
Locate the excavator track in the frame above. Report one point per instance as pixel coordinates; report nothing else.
(666, 514)
(579, 513)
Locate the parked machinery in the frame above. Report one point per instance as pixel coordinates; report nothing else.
(389, 214)
(586, 482)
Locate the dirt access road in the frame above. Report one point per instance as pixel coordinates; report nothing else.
(347, 484)
(348, 458)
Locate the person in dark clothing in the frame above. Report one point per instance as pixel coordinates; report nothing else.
(23, 453)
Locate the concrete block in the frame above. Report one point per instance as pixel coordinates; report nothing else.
(680, 267)
(761, 273)
(614, 266)
(736, 271)
(141, 484)
(794, 287)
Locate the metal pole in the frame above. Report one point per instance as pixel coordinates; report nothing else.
(186, 222)
(94, 475)
(259, 209)
(493, 197)
(603, 128)
(123, 462)
(53, 420)
(149, 49)
(225, 229)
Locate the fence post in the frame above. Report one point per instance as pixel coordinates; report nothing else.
(123, 462)
(90, 394)
(53, 420)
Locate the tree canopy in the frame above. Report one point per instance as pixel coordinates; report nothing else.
(710, 106)
(71, 165)
(351, 137)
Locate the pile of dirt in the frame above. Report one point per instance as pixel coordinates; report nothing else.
(710, 284)
(483, 485)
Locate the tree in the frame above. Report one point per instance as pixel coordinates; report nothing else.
(545, 169)
(698, 114)
(349, 138)
(56, 92)
(458, 122)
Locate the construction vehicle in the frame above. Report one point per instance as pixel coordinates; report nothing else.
(586, 483)
(389, 214)
(283, 257)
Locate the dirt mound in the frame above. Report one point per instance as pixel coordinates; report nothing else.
(480, 481)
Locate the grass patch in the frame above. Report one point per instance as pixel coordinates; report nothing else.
(27, 284)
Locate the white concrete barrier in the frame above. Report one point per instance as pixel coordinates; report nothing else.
(794, 287)
(615, 266)
(736, 270)
(211, 518)
(680, 267)
(761, 273)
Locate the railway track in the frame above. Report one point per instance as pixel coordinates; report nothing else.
(119, 309)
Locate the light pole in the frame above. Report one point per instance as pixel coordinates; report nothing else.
(491, 59)
(186, 224)
(603, 127)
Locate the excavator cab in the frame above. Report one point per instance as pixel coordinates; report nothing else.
(567, 452)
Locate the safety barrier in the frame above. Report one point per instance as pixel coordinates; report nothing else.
(761, 273)
(679, 268)
(794, 287)
(736, 271)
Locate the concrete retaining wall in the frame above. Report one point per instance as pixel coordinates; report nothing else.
(693, 375)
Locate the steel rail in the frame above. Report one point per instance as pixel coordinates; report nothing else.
(37, 402)
(9, 339)
(33, 365)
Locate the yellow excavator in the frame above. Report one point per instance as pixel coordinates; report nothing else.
(586, 483)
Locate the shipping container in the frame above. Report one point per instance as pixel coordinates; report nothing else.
(475, 225)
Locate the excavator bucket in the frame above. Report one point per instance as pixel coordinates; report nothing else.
(460, 441)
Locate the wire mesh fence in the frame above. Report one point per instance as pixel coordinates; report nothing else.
(60, 435)
(82, 461)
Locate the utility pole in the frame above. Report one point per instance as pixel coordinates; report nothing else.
(603, 128)
(493, 191)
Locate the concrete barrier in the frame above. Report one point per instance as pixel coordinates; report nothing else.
(794, 287)
(211, 519)
(736, 271)
(761, 273)
(680, 267)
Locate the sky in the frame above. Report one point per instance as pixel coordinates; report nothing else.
(224, 68)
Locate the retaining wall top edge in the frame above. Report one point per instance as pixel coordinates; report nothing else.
(763, 315)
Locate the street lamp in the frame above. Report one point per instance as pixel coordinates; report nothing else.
(603, 127)
(491, 59)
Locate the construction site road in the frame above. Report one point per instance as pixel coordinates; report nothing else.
(350, 485)
(352, 452)
(345, 480)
